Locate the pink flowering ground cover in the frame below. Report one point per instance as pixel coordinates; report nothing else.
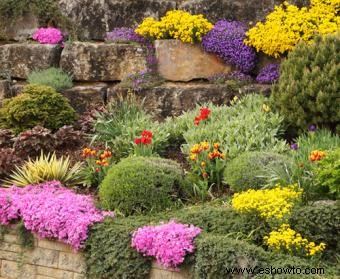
(168, 243)
(51, 211)
(49, 35)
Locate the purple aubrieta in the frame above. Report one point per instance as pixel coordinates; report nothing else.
(226, 41)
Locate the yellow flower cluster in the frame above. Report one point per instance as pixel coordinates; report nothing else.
(274, 203)
(287, 240)
(287, 25)
(176, 24)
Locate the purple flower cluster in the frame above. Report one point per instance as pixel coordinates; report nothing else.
(168, 243)
(269, 74)
(49, 35)
(124, 34)
(51, 211)
(226, 41)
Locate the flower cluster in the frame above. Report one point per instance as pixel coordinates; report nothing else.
(287, 240)
(275, 203)
(145, 138)
(168, 243)
(226, 41)
(208, 162)
(145, 79)
(204, 114)
(269, 74)
(51, 211)
(49, 35)
(175, 24)
(101, 157)
(143, 144)
(124, 35)
(317, 155)
(287, 25)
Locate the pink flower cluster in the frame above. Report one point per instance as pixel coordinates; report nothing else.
(168, 243)
(49, 35)
(51, 211)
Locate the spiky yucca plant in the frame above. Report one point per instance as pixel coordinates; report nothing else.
(46, 168)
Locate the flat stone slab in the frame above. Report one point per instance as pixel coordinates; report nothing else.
(102, 61)
(178, 61)
(21, 59)
(21, 29)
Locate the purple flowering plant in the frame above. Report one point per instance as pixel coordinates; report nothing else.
(226, 41)
(49, 35)
(51, 211)
(269, 74)
(169, 243)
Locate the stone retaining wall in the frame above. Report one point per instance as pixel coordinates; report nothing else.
(53, 260)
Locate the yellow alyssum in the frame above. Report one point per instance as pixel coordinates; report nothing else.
(287, 25)
(176, 24)
(275, 203)
(288, 240)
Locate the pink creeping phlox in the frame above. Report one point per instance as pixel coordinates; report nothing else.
(168, 243)
(51, 211)
(49, 35)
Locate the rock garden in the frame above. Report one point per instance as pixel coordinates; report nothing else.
(169, 139)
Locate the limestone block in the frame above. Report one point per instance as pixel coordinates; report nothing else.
(71, 262)
(102, 62)
(11, 270)
(21, 29)
(178, 61)
(54, 273)
(21, 59)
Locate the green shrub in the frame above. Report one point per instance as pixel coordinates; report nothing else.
(142, 184)
(108, 252)
(327, 174)
(216, 256)
(52, 77)
(319, 223)
(308, 89)
(244, 126)
(36, 105)
(248, 171)
(124, 121)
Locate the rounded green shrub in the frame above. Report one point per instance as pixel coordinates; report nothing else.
(36, 105)
(53, 77)
(138, 185)
(309, 85)
(249, 169)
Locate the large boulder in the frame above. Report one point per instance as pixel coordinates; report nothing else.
(178, 61)
(93, 18)
(88, 61)
(21, 59)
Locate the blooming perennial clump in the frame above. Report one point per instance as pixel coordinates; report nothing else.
(317, 155)
(175, 24)
(168, 243)
(204, 114)
(287, 25)
(269, 74)
(275, 203)
(285, 239)
(143, 144)
(226, 41)
(49, 35)
(51, 211)
(208, 162)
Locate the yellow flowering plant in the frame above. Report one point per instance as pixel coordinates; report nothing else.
(207, 163)
(176, 24)
(287, 25)
(285, 239)
(271, 204)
